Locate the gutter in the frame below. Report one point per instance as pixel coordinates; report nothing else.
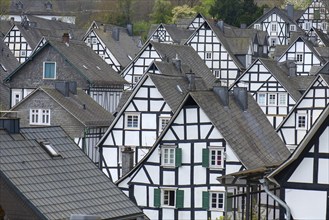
(277, 199)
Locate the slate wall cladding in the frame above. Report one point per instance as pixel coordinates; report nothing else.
(31, 75)
(14, 206)
(58, 116)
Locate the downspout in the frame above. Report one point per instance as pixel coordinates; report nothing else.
(277, 199)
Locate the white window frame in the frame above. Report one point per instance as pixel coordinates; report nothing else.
(14, 100)
(39, 116)
(274, 27)
(307, 25)
(217, 73)
(44, 69)
(282, 99)
(208, 55)
(215, 150)
(299, 58)
(269, 100)
(94, 40)
(134, 116)
(136, 78)
(265, 50)
(255, 47)
(298, 116)
(324, 26)
(292, 27)
(164, 202)
(23, 53)
(257, 27)
(217, 201)
(168, 154)
(162, 119)
(259, 99)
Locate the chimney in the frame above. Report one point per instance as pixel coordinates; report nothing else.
(116, 33)
(66, 38)
(177, 62)
(220, 25)
(130, 29)
(127, 160)
(73, 87)
(290, 10)
(243, 26)
(63, 87)
(33, 24)
(11, 125)
(12, 20)
(292, 67)
(191, 78)
(222, 92)
(241, 97)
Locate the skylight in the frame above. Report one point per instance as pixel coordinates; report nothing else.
(49, 149)
(84, 66)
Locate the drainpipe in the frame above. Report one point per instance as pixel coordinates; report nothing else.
(277, 199)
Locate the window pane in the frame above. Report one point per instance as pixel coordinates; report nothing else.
(49, 72)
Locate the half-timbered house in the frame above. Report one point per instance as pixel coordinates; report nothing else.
(316, 15)
(145, 114)
(8, 63)
(154, 51)
(83, 119)
(116, 45)
(305, 113)
(318, 37)
(304, 177)
(212, 133)
(44, 175)
(196, 22)
(305, 55)
(70, 61)
(274, 86)
(227, 50)
(169, 33)
(279, 25)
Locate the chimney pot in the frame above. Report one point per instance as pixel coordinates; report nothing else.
(220, 25)
(116, 33)
(177, 62)
(63, 87)
(130, 29)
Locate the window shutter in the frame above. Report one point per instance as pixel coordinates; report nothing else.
(205, 200)
(157, 198)
(205, 157)
(179, 198)
(178, 157)
(229, 202)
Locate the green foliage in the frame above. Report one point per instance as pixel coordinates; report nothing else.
(204, 7)
(236, 12)
(141, 28)
(4, 6)
(184, 11)
(126, 11)
(162, 12)
(298, 4)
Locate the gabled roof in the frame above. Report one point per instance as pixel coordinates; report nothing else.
(323, 118)
(81, 106)
(249, 133)
(5, 26)
(84, 60)
(123, 49)
(177, 34)
(7, 61)
(323, 37)
(58, 187)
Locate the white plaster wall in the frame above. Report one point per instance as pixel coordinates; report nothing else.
(140, 192)
(324, 141)
(307, 204)
(304, 172)
(323, 174)
(184, 177)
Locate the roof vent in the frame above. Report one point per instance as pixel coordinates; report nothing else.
(116, 33)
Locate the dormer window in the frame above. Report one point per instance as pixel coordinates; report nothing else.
(49, 70)
(274, 27)
(292, 27)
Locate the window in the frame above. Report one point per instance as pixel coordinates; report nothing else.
(261, 98)
(169, 197)
(264, 49)
(274, 27)
(216, 73)
(307, 25)
(255, 48)
(132, 121)
(39, 116)
(216, 200)
(257, 26)
(292, 27)
(93, 40)
(171, 156)
(299, 58)
(49, 70)
(282, 99)
(208, 55)
(164, 120)
(213, 157)
(23, 53)
(271, 99)
(216, 157)
(324, 26)
(137, 78)
(301, 121)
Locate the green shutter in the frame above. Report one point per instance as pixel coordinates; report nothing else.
(229, 202)
(157, 198)
(178, 157)
(179, 198)
(205, 200)
(205, 157)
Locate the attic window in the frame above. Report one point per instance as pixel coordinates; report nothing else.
(49, 149)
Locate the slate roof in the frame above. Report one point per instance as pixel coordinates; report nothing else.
(5, 26)
(59, 187)
(127, 46)
(188, 56)
(84, 60)
(323, 37)
(249, 132)
(178, 35)
(92, 115)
